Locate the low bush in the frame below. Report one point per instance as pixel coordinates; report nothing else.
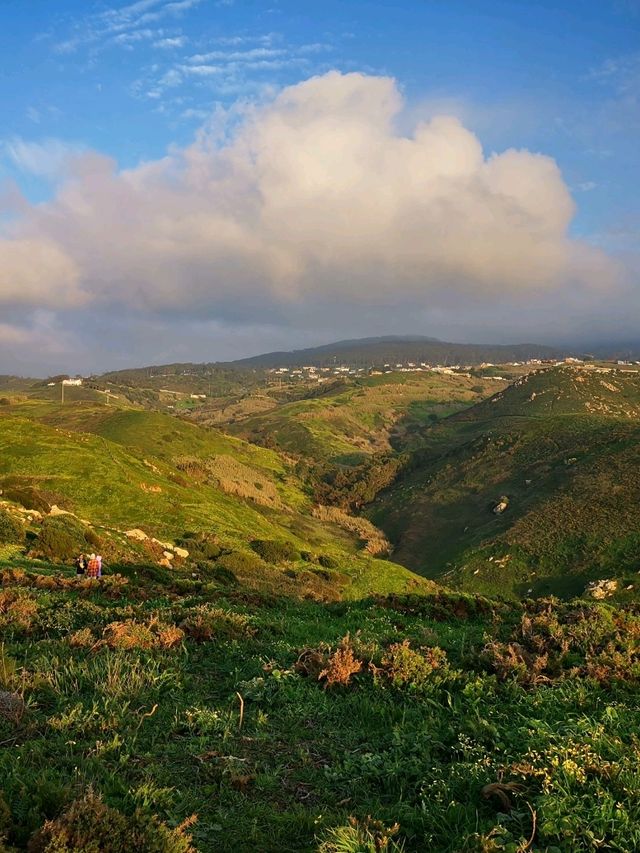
(201, 546)
(11, 530)
(331, 666)
(275, 552)
(63, 537)
(17, 610)
(206, 623)
(240, 563)
(130, 634)
(554, 641)
(90, 826)
(407, 667)
(31, 497)
(362, 836)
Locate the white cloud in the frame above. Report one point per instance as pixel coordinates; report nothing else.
(170, 43)
(119, 24)
(44, 159)
(307, 208)
(236, 55)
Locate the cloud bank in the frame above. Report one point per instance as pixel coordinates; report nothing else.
(308, 211)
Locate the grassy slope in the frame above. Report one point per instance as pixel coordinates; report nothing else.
(117, 469)
(574, 436)
(161, 729)
(365, 418)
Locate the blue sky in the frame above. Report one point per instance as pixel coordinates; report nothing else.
(134, 81)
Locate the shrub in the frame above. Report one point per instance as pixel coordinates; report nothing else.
(240, 563)
(204, 623)
(554, 641)
(11, 530)
(32, 498)
(341, 665)
(130, 634)
(201, 546)
(362, 836)
(327, 561)
(407, 667)
(63, 537)
(90, 826)
(332, 667)
(82, 638)
(17, 609)
(276, 552)
(12, 707)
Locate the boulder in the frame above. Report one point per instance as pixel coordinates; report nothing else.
(502, 504)
(166, 546)
(136, 533)
(55, 510)
(168, 555)
(181, 552)
(165, 563)
(602, 589)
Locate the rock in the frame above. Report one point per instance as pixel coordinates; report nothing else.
(181, 552)
(502, 504)
(166, 546)
(136, 533)
(55, 510)
(164, 562)
(168, 555)
(602, 589)
(32, 513)
(154, 490)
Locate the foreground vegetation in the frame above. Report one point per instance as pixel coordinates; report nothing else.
(183, 708)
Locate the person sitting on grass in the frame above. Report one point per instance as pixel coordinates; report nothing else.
(93, 567)
(81, 564)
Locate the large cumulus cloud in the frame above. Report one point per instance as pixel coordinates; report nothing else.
(310, 204)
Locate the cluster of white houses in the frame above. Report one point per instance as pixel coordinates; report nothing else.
(322, 374)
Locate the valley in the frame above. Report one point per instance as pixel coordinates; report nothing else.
(389, 611)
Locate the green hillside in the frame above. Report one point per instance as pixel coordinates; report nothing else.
(124, 469)
(562, 447)
(363, 417)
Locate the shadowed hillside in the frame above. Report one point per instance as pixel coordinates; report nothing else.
(392, 349)
(561, 447)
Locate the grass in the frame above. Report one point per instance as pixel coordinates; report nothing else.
(364, 418)
(120, 470)
(418, 738)
(568, 463)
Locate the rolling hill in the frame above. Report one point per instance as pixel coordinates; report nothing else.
(350, 420)
(400, 349)
(562, 446)
(125, 468)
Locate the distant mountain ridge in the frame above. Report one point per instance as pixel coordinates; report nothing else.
(398, 349)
